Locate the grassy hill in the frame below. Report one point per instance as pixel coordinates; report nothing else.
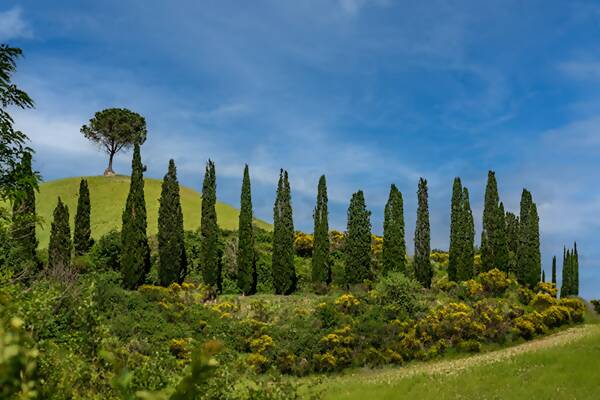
(108, 196)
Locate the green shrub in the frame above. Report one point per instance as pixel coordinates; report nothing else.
(596, 304)
(396, 289)
(106, 252)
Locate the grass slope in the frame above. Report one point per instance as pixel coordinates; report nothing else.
(108, 196)
(561, 366)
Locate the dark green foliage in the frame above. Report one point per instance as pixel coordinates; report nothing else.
(172, 265)
(115, 129)
(575, 271)
(14, 180)
(570, 273)
(422, 263)
(543, 276)
(394, 245)
(494, 250)
(321, 264)
(528, 258)
(24, 216)
(282, 264)
(512, 240)
(106, 252)
(454, 252)
(211, 258)
(554, 269)
(59, 248)
(82, 240)
(357, 247)
(246, 254)
(466, 237)
(135, 252)
(399, 291)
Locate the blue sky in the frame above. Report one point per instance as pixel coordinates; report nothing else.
(368, 92)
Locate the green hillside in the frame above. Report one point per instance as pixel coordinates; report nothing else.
(108, 195)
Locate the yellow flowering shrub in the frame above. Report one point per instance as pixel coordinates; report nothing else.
(472, 288)
(225, 309)
(347, 303)
(325, 361)
(376, 245)
(303, 244)
(339, 344)
(577, 308)
(180, 348)
(261, 344)
(440, 257)
(257, 361)
(524, 328)
(555, 316)
(541, 301)
(547, 287)
(453, 321)
(494, 281)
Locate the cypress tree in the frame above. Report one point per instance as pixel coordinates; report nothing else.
(283, 268)
(543, 276)
(321, 267)
(82, 241)
(172, 266)
(24, 215)
(494, 250)
(135, 252)
(554, 270)
(567, 276)
(422, 263)
(209, 230)
(357, 247)
(575, 286)
(394, 246)
(455, 232)
(525, 257)
(466, 238)
(246, 258)
(512, 240)
(59, 247)
(534, 243)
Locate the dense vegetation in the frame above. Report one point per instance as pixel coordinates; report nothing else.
(133, 315)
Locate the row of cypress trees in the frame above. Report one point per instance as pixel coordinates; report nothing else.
(570, 273)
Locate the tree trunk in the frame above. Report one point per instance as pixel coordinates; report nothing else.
(109, 171)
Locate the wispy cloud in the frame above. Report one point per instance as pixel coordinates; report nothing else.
(581, 70)
(13, 25)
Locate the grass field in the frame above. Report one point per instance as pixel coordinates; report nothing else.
(565, 365)
(108, 196)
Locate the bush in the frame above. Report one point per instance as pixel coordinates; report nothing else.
(303, 244)
(541, 301)
(547, 287)
(494, 282)
(396, 289)
(596, 304)
(106, 252)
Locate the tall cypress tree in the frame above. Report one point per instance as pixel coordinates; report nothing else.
(456, 209)
(172, 266)
(394, 245)
(525, 258)
(357, 247)
(59, 247)
(422, 263)
(211, 262)
(554, 269)
(512, 240)
(534, 242)
(466, 238)
(246, 257)
(24, 215)
(543, 276)
(575, 287)
(321, 266)
(494, 250)
(135, 252)
(567, 275)
(82, 233)
(283, 268)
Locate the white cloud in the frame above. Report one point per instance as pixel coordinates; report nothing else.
(13, 26)
(581, 70)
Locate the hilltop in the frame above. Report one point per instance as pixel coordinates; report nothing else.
(108, 196)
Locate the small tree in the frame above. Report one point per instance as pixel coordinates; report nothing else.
(321, 267)
(554, 269)
(59, 248)
(466, 237)
(282, 263)
(357, 247)
(135, 252)
(115, 129)
(246, 256)
(172, 258)
(422, 262)
(82, 234)
(209, 229)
